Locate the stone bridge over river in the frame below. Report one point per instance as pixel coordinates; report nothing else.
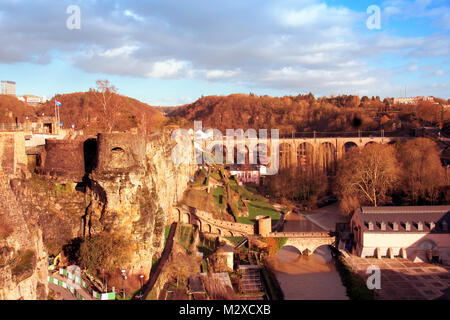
(306, 242)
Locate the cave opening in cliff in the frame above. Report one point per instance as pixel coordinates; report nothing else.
(90, 155)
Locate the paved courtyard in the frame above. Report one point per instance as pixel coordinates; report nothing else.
(402, 279)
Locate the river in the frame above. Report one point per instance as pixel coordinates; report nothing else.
(303, 277)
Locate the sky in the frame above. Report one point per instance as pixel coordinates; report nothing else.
(171, 52)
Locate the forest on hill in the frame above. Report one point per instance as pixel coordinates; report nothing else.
(85, 111)
(99, 109)
(305, 113)
(11, 107)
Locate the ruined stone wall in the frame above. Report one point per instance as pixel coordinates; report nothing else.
(64, 158)
(12, 152)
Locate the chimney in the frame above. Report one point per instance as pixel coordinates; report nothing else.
(420, 226)
(370, 224)
(383, 226)
(407, 226)
(395, 226)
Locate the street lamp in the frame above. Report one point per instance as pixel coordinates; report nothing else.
(141, 277)
(124, 275)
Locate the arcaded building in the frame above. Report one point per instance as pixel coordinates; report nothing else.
(403, 231)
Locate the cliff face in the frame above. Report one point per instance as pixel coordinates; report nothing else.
(23, 260)
(130, 192)
(134, 188)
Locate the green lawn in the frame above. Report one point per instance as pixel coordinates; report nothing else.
(217, 194)
(256, 208)
(185, 236)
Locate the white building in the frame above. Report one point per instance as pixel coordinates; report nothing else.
(31, 99)
(8, 87)
(408, 232)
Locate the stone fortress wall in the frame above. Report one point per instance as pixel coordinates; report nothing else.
(64, 158)
(12, 152)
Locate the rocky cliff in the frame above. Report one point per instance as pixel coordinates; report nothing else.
(130, 189)
(23, 260)
(134, 187)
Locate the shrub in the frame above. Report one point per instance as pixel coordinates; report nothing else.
(24, 264)
(110, 251)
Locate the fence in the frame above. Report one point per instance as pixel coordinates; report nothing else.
(16, 127)
(65, 286)
(84, 284)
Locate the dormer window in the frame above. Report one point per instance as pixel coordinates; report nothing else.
(444, 225)
(395, 226)
(407, 226)
(383, 226)
(420, 226)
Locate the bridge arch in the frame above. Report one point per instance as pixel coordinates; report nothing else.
(369, 143)
(294, 249)
(305, 154)
(227, 233)
(327, 156)
(184, 217)
(260, 154)
(241, 154)
(207, 228)
(348, 146)
(285, 155)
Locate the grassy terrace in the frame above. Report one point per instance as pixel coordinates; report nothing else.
(219, 199)
(230, 196)
(256, 208)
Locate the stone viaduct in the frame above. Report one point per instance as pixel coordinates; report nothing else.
(293, 152)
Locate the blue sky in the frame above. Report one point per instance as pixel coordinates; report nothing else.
(168, 52)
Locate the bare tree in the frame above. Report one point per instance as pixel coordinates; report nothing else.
(107, 96)
(423, 174)
(368, 174)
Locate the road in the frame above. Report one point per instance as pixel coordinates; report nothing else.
(326, 217)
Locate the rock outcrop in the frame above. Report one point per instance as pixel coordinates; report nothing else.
(23, 260)
(134, 187)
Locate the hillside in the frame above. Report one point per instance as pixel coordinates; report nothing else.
(11, 107)
(304, 113)
(84, 110)
(289, 114)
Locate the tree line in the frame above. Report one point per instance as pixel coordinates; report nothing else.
(404, 173)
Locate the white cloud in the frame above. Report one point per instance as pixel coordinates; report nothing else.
(133, 15)
(167, 69)
(291, 45)
(122, 51)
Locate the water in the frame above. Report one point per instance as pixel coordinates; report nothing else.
(307, 277)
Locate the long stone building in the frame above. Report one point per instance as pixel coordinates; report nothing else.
(409, 232)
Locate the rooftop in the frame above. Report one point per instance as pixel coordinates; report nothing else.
(434, 219)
